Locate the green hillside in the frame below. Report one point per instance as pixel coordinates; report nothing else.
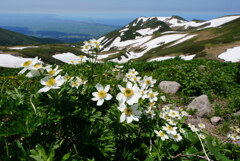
(8, 38)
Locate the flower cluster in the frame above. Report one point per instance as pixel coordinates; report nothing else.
(172, 128)
(91, 45)
(234, 135)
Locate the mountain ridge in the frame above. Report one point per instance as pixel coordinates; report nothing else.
(148, 33)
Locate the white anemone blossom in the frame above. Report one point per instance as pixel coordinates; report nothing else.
(161, 134)
(152, 96)
(101, 94)
(148, 81)
(53, 72)
(29, 64)
(129, 113)
(51, 83)
(130, 94)
(170, 129)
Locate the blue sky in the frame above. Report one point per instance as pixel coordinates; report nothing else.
(124, 9)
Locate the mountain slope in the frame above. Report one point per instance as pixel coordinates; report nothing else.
(13, 38)
(148, 38)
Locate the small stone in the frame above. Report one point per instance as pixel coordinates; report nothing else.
(169, 86)
(202, 105)
(215, 120)
(236, 113)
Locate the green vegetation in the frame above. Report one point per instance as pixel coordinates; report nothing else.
(8, 38)
(66, 124)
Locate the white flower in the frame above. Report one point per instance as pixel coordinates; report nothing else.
(81, 81)
(130, 94)
(135, 79)
(233, 136)
(170, 129)
(193, 128)
(173, 114)
(184, 113)
(144, 93)
(201, 125)
(53, 72)
(150, 113)
(28, 64)
(163, 98)
(35, 70)
(161, 134)
(202, 136)
(101, 94)
(152, 96)
(148, 81)
(133, 72)
(165, 108)
(51, 83)
(129, 113)
(182, 130)
(176, 137)
(172, 122)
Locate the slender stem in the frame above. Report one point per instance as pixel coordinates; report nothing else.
(203, 147)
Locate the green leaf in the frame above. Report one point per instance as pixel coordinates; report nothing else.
(215, 151)
(175, 147)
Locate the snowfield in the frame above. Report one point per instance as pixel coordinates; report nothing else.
(188, 57)
(148, 46)
(22, 47)
(182, 40)
(10, 61)
(232, 55)
(66, 57)
(147, 31)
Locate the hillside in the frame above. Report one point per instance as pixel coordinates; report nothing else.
(160, 38)
(8, 38)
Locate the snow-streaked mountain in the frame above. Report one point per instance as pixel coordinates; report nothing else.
(143, 36)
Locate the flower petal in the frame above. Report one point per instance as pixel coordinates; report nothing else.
(99, 87)
(122, 117)
(108, 97)
(44, 89)
(100, 102)
(107, 88)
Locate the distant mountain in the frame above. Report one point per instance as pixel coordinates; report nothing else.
(8, 38)
(150, 38)
(45, 25)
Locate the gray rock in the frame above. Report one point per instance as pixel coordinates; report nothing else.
(237, 113)
(215, 120)
(201, 104)
(169, 86)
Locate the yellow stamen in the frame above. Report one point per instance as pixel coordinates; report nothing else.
(128, 111)
(128, 92)
(37, 65)
(51, 82)
(151, 95)
(102, 94)
(148, 81)
(51, 72)
(27, 63)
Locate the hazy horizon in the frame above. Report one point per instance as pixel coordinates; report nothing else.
(120, 13)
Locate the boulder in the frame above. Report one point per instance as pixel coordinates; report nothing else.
(215, 120)
(169, 86)
(201, 104)
(236, 113)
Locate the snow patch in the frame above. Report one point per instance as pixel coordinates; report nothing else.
(188, 57)
(182, 40)
(101, 39)
(147, 31)
(66, 57)
(22, 47)
(10, 61)
(232, 55)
